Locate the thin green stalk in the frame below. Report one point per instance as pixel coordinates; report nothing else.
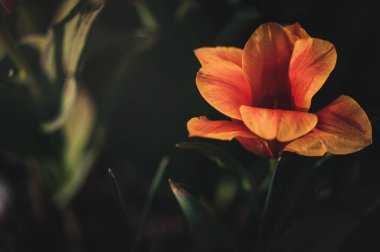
(116, 188)
(130, 228)
(151, 193)
(307, 182)
(260, 242)
(270, 188)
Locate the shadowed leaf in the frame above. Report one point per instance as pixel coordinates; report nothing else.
(146, 16)
(221, 158)
(151, 193)
(203, 229)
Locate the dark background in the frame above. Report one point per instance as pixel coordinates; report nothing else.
(146, 110)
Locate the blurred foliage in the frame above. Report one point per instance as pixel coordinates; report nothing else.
(208, 236)
(52, 83)
(84, 86)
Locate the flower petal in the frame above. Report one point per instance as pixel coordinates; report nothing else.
(266, 58)
(311, 64)
(296, 32)
(343, 128)
(256, 145)
(282, 125)
(207, 55)
(223, 86)
(221, 130)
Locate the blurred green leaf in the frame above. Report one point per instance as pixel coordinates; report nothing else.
(62, 46)
(145, 14)
(60, 50)
(81, 145)
(64, 9)
(221, 158)
(68, 97)
(151, 193)
(184, 7)
(46, 48)
(75, 28)
(78, 128)
(9, 47)
(225, 193)
(203, 229)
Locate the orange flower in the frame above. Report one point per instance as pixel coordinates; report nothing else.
(8, 6)
(266, 90)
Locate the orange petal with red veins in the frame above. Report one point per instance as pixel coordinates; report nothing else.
(266, 58)
(221, 130)
(311, 64)
(257, 146)
(296, 32)
(343, 128)
(282, 125)
(223, 86)
(207, 55)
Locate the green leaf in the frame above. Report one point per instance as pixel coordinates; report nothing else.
(60, 51)
(68, 98)
(151, 193)
(203, 229)
(184, 8)
(221, 158)
(119, 196)
(225, 192)
(146, 16)
(9, 47)
(62, 46)
(64, 9)
(78, 155)
(45, 45)
(75, 28)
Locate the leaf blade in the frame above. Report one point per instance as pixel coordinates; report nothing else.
(203, 229)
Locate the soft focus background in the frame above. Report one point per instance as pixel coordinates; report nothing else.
(139, 68)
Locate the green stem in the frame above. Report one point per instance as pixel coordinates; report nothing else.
(130, 228)
(148, 203)
(116, 188)
(270, 188)
(260, 242)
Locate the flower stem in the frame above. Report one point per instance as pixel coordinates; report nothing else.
(260, 242)
(270, 188)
